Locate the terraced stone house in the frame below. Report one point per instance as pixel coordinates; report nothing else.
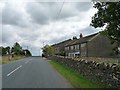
(60, 47)
(95, 45)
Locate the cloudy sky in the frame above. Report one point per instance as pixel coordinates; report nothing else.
(33, 22)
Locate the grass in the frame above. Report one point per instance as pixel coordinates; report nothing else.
(76, 80)
(13, 59)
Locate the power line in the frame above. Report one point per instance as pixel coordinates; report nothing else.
(27, 47)
(60, 10)
(58, 14)
(43, 44)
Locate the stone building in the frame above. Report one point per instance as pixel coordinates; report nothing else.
(95, 45)
(60, 47)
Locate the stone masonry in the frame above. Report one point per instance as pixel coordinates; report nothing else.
(102, 72)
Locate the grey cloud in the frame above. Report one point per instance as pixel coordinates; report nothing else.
(10, 16)
(6, 36)
(31, 35)
(88, 30)
(43, 13)
(66, 14)
(37, 12)
(49, 4)
(57, 40)
(37, 32)
(83, 6)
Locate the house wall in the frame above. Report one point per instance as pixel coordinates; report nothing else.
(60, 47)
(83, 50)
(73, 51)
(99, 46)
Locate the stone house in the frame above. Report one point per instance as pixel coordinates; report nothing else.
(60, 47)
(95, 45)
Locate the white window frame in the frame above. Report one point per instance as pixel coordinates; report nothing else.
(72, 47)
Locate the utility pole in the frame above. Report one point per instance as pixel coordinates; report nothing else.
(43, 44)
(27, 47)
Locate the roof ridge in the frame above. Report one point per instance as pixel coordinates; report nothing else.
(90, 35)
(81, 40)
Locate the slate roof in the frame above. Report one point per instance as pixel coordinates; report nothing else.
(81, 40)
(62, 43)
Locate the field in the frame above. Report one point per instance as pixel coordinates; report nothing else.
(7, 59)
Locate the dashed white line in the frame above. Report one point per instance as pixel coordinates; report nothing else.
(26, 62)
(14, 70)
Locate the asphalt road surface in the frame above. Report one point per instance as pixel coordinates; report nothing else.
(32, 72)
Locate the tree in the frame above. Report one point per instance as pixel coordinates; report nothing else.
(3, 51)
(108, 15)
(8, 50)
(17, 49)
(48, 50)
(27, 52)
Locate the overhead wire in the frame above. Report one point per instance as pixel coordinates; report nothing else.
(58, 14)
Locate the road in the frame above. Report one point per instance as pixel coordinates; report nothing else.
(32, 72)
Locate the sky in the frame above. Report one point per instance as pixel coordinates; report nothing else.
(33, 23)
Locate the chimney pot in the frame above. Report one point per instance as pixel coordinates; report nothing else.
(74, 37)
(81, 35)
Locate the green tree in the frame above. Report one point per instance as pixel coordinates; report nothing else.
(48, 50)
(27, 52)
(8, 50)
(108, 15)
(4, 51)
(17, 49)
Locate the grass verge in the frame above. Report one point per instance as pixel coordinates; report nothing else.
(76, 80)
(13, 59)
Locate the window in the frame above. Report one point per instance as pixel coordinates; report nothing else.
(77, 47)
(71, 47)
(66, 48)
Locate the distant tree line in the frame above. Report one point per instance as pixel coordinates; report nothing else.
(50, 51)
(15, 50)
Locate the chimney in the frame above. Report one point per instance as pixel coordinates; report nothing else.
(81, 35)
(74, 37)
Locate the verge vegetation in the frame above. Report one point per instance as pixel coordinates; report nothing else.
(76, 80)
(13, 59)
(16, 52)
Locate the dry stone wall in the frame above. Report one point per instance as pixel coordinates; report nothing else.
(105, 73)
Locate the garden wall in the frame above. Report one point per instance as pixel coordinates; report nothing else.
(105, 73)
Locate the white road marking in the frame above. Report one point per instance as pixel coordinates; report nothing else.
(14, 70)
(26, 62)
